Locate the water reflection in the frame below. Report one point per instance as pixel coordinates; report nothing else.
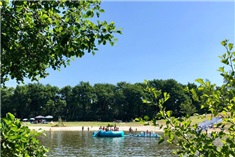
(78, 143)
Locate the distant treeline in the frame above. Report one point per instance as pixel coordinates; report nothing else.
(100, 102)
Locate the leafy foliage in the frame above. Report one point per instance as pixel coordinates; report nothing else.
(177, 98)
(37, 35)
(18, 140)
(84, 102)
(220, 101)
(187, 108)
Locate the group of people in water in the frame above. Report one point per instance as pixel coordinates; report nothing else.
(146, 133)
(109, 128)
(115, 128)
(87, 128)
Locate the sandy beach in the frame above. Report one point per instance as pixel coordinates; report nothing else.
(95, 128)
(155, 129)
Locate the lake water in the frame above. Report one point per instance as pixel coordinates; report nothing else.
(82, 144)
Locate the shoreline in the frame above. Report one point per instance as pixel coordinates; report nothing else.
(154, 129)
(94, 128)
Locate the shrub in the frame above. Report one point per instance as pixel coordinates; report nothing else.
(18, 140)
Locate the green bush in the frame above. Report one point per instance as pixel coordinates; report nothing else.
(18, 140)
(146, 118)
(137, 120)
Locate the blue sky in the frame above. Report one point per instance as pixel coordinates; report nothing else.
(161, 40)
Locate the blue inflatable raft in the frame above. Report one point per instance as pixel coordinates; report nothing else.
(143, 134)
(102, 133)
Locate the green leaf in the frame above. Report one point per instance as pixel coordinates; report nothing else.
(10, 116)
(224, 43)
(101, 10)
(97, 14)
(111, 43)
(161, 139)
(199, 80)
(233, 53)
(221, 69)
(169, 113)
(230, 46)
(225, 61)
(67, 19)
(120, 32)
(90, 13)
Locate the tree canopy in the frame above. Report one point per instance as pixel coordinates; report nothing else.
(85, 102)
(37, 35)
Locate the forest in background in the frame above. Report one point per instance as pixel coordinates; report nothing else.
(100, 102)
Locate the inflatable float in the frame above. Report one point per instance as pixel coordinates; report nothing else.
(102, 133)
(143, 134)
